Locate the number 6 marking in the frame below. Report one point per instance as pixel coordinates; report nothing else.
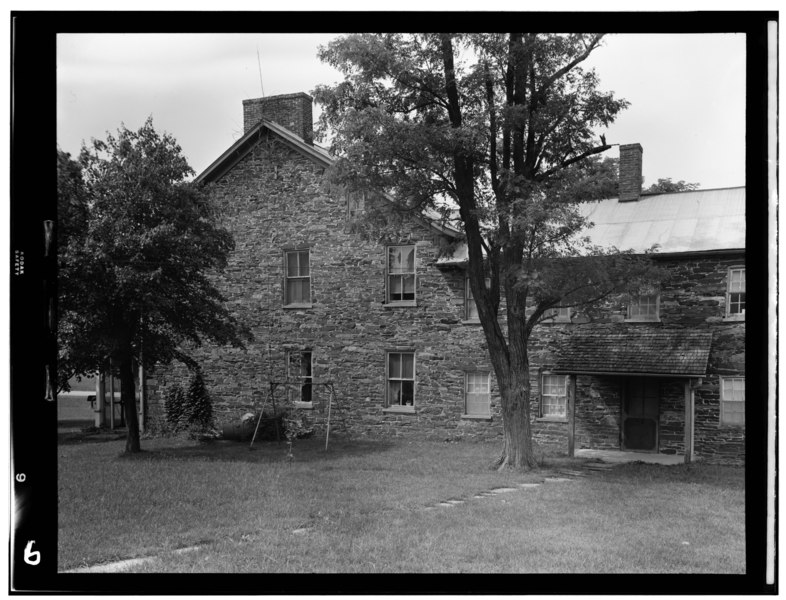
(32, 557)
(21, 477)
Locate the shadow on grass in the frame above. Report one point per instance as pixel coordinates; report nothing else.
(89, 435)
(303, 451)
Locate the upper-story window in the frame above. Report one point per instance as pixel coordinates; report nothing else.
(559, 314)
(735, 292)
(356, 203)
(470, 307)
(644, 307)
(401, 275)
(297, 290)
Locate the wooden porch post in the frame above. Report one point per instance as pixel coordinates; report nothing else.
(100, 399)
(688, 421)
(142, 398)
(571, 415)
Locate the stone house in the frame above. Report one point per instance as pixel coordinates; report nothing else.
(347, 289)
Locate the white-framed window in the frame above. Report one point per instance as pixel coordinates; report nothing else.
(297, 285)
(477, 394)
(400, 379)
(299, 373)
(356, 204)
(559, 314)
(553, 396)
(644, 307)
(732, 397)
(735, 292)
(401, 274)
(470, 307)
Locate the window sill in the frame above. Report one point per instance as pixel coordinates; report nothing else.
(407, 410)
(642, 320)
(404, 304)
(556, 321)
(551, 420)
(734, 318)
(476, 417)
(304, 405)
(470, 322)
(299, 305)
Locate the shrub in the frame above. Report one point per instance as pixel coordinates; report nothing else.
(175, 408)
(190, 410)
(198, 406)
(297, 426)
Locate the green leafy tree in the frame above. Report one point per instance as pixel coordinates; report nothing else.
(136, 251)
(503, 127)
(666, 186)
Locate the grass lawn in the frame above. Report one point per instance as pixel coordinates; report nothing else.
(361, 507)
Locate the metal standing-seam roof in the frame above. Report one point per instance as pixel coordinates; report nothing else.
(694, 221)
(675, 352)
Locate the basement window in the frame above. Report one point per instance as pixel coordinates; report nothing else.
(735, 293)
(477, 396)
(401, 275)
(732, 395)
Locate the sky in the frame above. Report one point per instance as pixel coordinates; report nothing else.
(687, 92)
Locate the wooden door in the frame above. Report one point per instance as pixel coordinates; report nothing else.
(640, 412)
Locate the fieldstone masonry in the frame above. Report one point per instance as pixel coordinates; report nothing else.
(276, 199)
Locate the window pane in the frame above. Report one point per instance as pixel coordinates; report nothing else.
(394, 260)
(554, 396)
(305, 364)
(395, 287)
(298, 291)
(407, 366)
(394, 392)
(737, 280)
(401, 259)
(408, 282)
(472, 310)
(407, 392)
(394, 365)
(292, 264)
(478, 404)
(303, 257)
(305, 392)
(409, 259)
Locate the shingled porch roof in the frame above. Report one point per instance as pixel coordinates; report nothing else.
(678, 353)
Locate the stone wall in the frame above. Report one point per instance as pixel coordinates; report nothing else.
(276, 199)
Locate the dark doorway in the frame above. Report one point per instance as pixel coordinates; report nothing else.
(640, 410)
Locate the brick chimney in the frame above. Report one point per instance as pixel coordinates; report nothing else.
(292, 111)
(630, 172)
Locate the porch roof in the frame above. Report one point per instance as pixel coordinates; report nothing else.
(661, 352)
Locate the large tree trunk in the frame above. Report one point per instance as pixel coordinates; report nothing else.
(517, 450)
(127, 397)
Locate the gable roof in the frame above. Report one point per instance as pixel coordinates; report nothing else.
(237, 151)
(675, 352)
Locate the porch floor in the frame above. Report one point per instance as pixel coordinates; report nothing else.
(620, 456)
